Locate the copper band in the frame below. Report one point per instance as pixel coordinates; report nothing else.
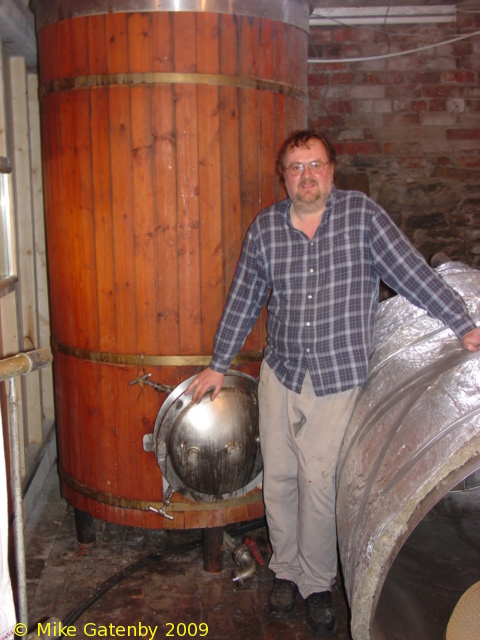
(157, 78)
(105, 357)
(143, 505)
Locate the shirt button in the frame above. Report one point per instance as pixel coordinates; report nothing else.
(308, 324)
(307, 350)
(309, 297)
(311, 270)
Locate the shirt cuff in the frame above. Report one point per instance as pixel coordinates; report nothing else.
(219, 364)
(463, 326)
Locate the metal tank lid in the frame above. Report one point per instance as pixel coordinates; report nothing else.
(292, 12)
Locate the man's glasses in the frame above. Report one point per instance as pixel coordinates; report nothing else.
(297, 168)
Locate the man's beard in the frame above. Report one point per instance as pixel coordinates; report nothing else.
(311, 203)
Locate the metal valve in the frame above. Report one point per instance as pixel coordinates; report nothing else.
(145, 379)
(166, 501)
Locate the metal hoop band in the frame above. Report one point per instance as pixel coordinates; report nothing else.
(105, 357)
(152, 78)
(143, 505)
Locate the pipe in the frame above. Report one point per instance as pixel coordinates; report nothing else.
(409, 539)
(24, 363)
(243, 558)
(20, 364)
(247, 565)
(18, 506)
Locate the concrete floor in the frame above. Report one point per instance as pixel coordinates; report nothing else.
(171, 593)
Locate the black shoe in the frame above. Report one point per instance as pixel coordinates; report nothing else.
(321, 618)
(283, 599)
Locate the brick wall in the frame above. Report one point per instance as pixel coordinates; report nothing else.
(410, 123)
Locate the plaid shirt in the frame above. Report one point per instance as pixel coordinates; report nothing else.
(324, 292)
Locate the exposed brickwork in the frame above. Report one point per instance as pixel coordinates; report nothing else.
(410, 123)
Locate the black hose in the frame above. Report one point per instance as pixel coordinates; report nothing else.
(127, 571)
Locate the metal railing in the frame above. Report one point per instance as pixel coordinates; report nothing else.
(10, 368)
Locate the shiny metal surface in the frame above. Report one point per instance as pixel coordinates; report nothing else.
(210, 451)
(408, 503)
(294, 12)
(243, 558)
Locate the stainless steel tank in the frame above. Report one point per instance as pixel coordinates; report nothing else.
(408, 475)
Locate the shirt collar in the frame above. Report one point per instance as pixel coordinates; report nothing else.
(329, 205)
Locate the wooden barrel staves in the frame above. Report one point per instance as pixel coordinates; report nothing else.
(160, 128)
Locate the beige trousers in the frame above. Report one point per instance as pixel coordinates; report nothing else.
(301, 436)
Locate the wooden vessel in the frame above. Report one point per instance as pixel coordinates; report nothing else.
(160, 129)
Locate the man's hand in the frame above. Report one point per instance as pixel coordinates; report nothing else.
(471, 340)
(205, 381)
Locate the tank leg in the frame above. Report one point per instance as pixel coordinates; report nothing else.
(213, 549)
(85, 527)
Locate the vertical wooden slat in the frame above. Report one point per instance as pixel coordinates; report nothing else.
(101, 193)
(49, 60)
(83, 254)
(281, 73)
(297, 112)
(167, 287)
(249, 121)
(121, 179)
(268, 123)
(210, 204)
(268, 134)
(101, 407)
(108, 478)
(250, 153)
(127, 428)
(230, 146)
(139, 44)
(186, 131)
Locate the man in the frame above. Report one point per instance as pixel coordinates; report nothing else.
(317, 257)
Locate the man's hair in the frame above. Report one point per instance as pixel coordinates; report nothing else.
(301, 139)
